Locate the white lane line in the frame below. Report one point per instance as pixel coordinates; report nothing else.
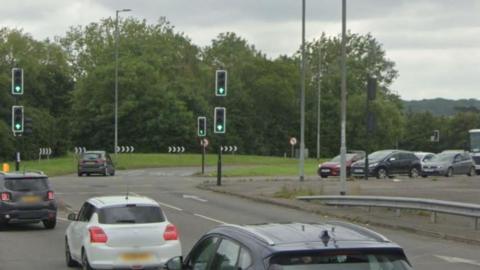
(63, 219)
(209, 218)
(161, 203)
(193, 197)
(457, 260)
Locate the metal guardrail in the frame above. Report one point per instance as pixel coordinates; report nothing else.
(433, 206)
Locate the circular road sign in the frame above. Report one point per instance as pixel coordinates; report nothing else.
(293, 141)
(204, 142)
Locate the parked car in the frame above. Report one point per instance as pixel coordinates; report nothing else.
(385, 163)
(333, 245)
(95, 162)
(332, 167)
(449, 163)
(120, 232)
(27, 198)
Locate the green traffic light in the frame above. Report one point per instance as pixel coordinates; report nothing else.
(221, 90)
(219, 127)
(18, 126)
(202, 132)
(17, 88)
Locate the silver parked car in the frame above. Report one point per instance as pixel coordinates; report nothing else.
(450, 162)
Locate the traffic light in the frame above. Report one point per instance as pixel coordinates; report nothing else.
(17, 119)
(220, 120)
(436, 136)
(202, 126)
(17, 81)
(27, 125)
(221, 83)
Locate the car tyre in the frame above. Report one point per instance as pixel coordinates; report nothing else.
(449, 172)
(382, 173)
(68, 256)
(472, 172)
(112, 173)
(323, 176)
(413, 172)
(85, 263)
(80, 174)
(49, 224)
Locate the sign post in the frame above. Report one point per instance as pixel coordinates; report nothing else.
(204, 144)
(293, 142)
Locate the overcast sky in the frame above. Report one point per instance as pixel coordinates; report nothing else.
(434, 43)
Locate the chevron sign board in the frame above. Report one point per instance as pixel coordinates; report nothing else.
(125, 149)
(45, 151)
(79, 150)
(229, 148)
(176, 149)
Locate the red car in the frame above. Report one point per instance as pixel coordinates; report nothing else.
(332, 167)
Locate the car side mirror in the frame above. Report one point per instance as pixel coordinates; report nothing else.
(175, 263)
(72, 216)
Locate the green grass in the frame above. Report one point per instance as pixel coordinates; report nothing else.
(286, 167)
(255, 165)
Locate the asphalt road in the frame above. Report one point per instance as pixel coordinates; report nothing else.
(194, 212)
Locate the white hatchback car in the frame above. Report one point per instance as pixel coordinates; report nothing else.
(120, 232)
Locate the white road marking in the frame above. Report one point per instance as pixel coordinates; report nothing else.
(63, 219)
(457, 260)
(161, 203)
(193, 197)
(209, 218)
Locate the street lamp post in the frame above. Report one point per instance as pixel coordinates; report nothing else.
(343, 146)
(116, 81)
(302, 100)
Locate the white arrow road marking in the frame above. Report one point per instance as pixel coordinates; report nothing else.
(193, 197)
(457, 260)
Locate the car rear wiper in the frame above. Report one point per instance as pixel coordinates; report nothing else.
(125, 221)
(24, 189)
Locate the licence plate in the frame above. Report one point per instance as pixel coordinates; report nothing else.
(428, 170)
(136, 256)
(30, 199)
(325, 170)
(358, 170)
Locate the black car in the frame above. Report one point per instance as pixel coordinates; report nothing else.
(27, 198)
(95, 162)
(385, 163)
(332, 245)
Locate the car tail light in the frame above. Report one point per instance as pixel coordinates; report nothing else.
(5, 196)
(97, 235)
(101, 161)
(50, 195)
(170, 233)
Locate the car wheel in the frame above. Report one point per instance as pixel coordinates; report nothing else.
(413, 172)
(382, 173)
(323, 176)
(49, 223)
(112, 173)
(449, 172)
(79, 174)
(85, 263)
(424, 175)
(87, 174)
(68, 256)
(472, 172)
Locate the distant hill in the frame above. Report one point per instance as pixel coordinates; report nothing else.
(441, 106)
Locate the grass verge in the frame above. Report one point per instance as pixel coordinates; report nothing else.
(254, 165)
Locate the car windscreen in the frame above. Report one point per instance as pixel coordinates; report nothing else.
(443, 157)
(37, 184)
(379, 155)
(340, 261)
(91, 156)
(348, 157)
(130, 214)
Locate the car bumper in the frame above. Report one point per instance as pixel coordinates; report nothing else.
(96, 169)
(102, 256)
(360, 171)
(27, 215)
(434, 172)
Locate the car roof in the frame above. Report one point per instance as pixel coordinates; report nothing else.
(279, 237)
(23, 175)
(107, 201)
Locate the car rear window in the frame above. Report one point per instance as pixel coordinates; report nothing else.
(91, 156)
(38, 184)
(340, 261)
(130, 214)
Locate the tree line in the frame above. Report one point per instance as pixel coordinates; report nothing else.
(166, 81)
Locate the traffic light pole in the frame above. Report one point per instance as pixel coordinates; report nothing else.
(219, 166)
(203, 158)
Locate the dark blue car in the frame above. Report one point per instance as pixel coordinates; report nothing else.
(333, 245)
